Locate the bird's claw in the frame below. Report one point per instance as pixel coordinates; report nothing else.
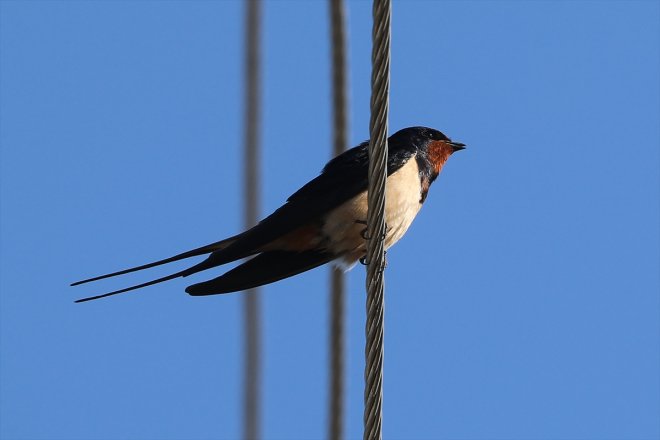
(363, 261)
(365, 234)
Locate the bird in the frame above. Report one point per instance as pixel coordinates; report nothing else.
(323, 222)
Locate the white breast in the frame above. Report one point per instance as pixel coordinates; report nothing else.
(402, 203)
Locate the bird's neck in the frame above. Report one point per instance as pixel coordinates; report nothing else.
(438, 152)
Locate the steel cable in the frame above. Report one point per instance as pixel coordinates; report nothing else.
(376, 227)
(252, 307)
(338, 285)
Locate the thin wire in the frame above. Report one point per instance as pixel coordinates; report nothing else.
(337, 359)
(380, 84)
(338, 284)
(252, 306)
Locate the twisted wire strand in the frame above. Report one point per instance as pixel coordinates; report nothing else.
(252, 134)
(338, 285)
(380, 84)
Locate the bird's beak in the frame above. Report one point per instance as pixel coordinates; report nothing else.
(457, 146)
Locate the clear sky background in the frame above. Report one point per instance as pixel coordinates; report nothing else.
(522, 304)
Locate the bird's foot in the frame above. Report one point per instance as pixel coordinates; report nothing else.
(364, 233)
(364, 262)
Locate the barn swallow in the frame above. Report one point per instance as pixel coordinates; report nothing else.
(322, 222)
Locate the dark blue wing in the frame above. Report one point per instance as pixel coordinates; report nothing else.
(342, 178)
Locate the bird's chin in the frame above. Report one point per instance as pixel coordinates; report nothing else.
(344, 264)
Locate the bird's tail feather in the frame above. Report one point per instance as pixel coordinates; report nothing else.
(128, 289)
(192, 253)
(183, 273)
(265, 268)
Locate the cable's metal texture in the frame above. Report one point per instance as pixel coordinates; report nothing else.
(380, 85)
(252, 308)
(337, 359)
(337, 291)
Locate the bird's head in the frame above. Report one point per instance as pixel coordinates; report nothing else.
(431, 143)
(424, 137)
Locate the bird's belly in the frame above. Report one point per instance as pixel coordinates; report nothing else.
(345, 226)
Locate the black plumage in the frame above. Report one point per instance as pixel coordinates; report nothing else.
(343, 178)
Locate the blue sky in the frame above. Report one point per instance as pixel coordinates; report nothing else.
(522, 304)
